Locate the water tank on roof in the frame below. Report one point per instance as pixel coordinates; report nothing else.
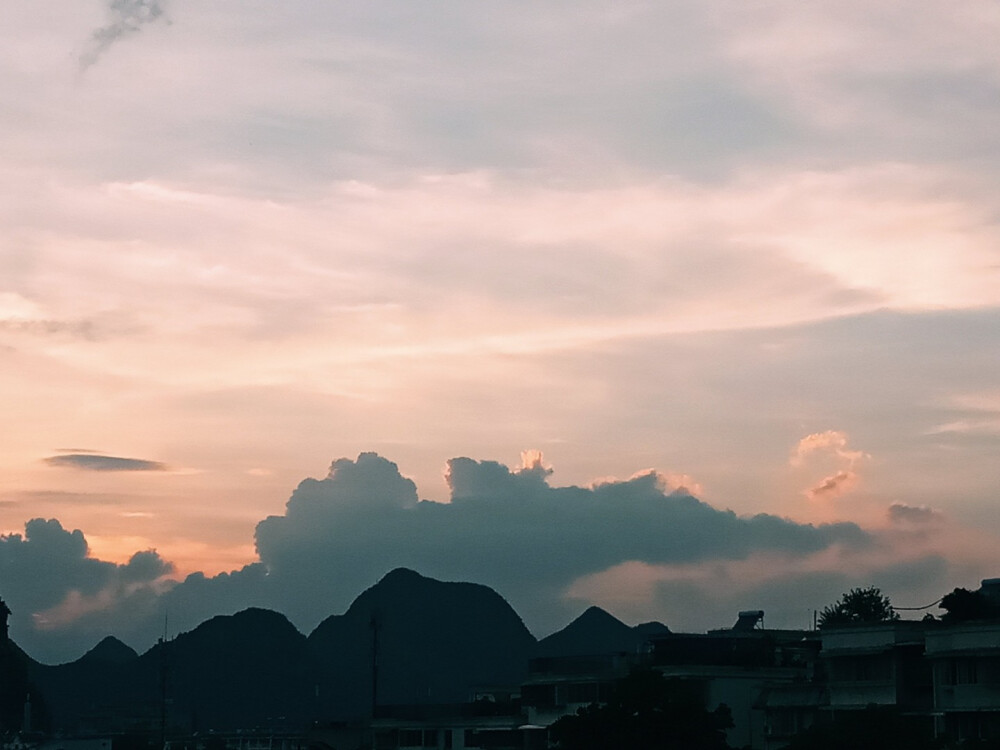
(748, 619)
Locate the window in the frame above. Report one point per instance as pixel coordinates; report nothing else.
(411, 738)
(872, 669)
(539, 695)
(968, 674)
(582, 692)
(961, 671)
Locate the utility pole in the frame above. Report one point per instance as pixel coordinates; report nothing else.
(163, 685)
(374, 624)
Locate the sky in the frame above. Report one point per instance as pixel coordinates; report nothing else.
(676, 308)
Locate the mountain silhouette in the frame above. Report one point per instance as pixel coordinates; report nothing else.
(16, 684)
(436, 642)
(231, 671)
(650, 629)
(243, 670)
(97, 681)
(109, 651)
(596, 632)
(433, 642)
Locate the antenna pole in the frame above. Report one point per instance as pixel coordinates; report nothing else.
(374, 624)
(163, 685)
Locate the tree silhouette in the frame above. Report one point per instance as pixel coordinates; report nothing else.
(962, 605)
(4, 614)
(867, 605)
(874, 728)
(646, 711)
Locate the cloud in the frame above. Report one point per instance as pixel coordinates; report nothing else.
(693, 596)
(832, 444)
(61, 497)
(127, 18)
(50, 581)
(669, 482)
(834, 485)
(145, 566)
(900, 513)
(637, 543)
(789, 596)
(506, 528)
(98, 462)
(978, 416)
(833, 441)
(79, 329)
(543, 547)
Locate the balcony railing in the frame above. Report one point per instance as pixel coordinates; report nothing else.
(971, 696)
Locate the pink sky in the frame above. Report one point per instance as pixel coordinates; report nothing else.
(756, 248)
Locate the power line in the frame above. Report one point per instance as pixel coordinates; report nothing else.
(917, 609)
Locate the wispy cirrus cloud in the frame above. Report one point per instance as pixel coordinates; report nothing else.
(978, 414)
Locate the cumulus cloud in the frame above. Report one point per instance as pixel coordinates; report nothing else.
(145, 566)
(669, 482)
(833, 445)
(832, 441)
(506, 528)
(900, 513)
(99, 462)
(127, 18)
(50, 580)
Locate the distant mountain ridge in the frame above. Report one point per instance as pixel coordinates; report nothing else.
(596, 632)
(408, 639)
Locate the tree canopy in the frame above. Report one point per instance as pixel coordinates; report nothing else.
(646, 711)
(874, 728)
(962, 605)
(867, 605)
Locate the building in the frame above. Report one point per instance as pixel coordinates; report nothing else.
(748, 668)
(878, 665)
(558, 686)
(965, 662)
(494, 721)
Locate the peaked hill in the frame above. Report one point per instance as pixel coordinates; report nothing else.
(430, 642)
(236, 671)
(596, 632)
(96, 680)
(109, 651)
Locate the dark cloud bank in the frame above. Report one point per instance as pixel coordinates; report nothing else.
(504, 528)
